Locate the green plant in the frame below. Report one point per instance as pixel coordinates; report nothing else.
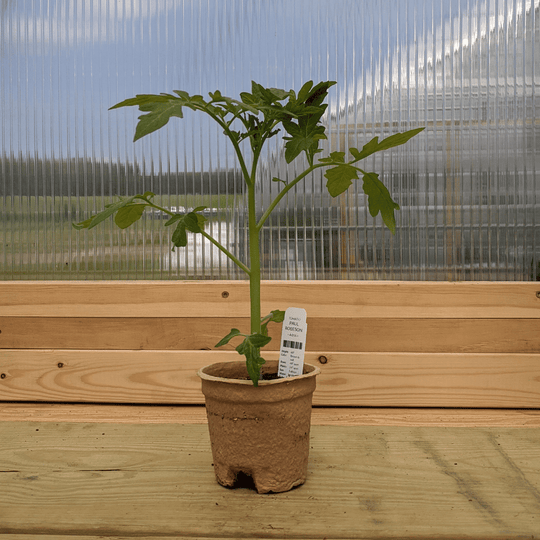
(256, 118)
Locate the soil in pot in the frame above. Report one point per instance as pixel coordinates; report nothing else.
(262, 432)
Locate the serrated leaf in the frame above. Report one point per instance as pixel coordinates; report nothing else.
(380, 200)
(233, 333)
(333, 157)
(160, 109)
(304, 137)
(340, 178)
(397, 139)
(129, 214)
(159, 113)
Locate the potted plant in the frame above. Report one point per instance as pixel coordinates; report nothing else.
(263, 434)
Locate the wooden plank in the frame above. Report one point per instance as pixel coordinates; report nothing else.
(321, 416)
(345, 335)
(366, 482)
(39, 536)
(336, 299)
(347, 379)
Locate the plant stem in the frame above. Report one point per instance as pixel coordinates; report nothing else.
(255, 263)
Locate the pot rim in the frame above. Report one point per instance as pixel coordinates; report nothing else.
(205, 376)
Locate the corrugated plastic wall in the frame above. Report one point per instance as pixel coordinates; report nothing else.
(468, 186)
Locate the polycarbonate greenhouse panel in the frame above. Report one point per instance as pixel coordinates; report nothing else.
(468, 186)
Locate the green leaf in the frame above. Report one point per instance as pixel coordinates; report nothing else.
(253, 365)
(275, 316)
(160, 109)
(192, 222)
(318, 93)
(250, 348)
(279, 94)
(392, 141)
(179, 237)
(340, 178)
(233, 333)
(109, 210)
(173, 219)
(306, 132)
(276, 179)
(368, 149)
(304, 137)
(83, 224)
(129, 214)
(334, 157)
(159, 115)
(379, 200)
(304, 91)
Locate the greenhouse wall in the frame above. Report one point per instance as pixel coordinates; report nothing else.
(468, 186)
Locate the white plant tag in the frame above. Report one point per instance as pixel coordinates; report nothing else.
(293, 343)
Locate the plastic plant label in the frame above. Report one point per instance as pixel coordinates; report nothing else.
(293, 343)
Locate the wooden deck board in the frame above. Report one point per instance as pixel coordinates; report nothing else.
(321, 416)
(136, 480)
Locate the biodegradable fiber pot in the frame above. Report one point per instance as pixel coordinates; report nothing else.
(260, 431)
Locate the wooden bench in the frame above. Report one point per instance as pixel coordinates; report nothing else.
(425, 423)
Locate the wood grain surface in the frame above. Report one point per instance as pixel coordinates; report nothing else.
(133, 481)
(320, 416)
(335, 299)
(345, 335)
(346, 379)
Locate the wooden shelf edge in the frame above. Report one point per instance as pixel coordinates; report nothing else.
(338, 416)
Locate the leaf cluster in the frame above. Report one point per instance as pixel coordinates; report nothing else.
(340, 176)
(128, 210)
(252, 344)
(259, 111)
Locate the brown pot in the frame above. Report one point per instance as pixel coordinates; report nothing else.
(261, 431)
